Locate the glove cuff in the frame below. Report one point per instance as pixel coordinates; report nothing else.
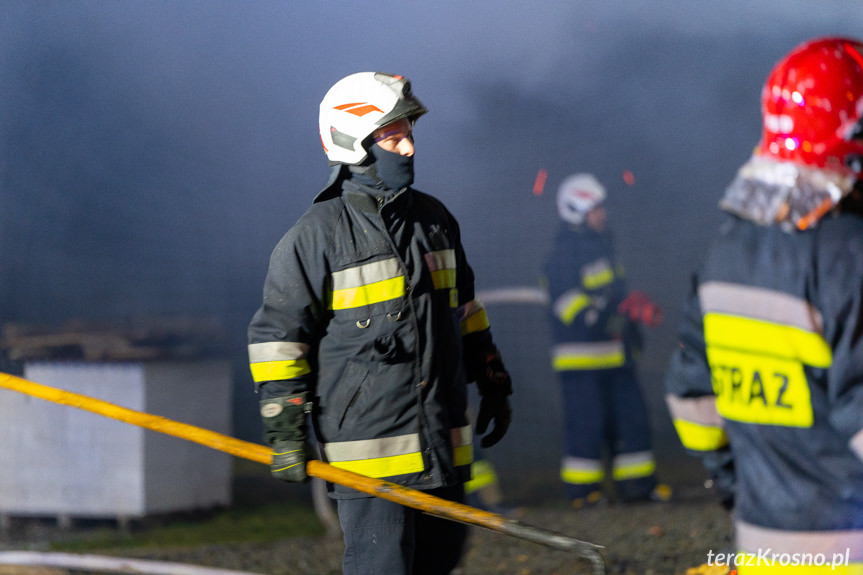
(284, 418)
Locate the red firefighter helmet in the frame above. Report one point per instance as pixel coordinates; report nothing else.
(812, 104)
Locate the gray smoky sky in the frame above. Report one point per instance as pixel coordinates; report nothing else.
(153, 152)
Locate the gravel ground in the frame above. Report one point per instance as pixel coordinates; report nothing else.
(639, 539)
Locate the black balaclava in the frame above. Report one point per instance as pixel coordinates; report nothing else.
(392, 169)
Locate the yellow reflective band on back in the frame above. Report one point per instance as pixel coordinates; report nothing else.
(757, 368)
(766, 338)
(275, 370)
(700, 437)
(384, 466)
(477, 321)
(759, 389)
(368, 294)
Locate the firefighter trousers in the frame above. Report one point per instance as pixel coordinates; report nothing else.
(606, 426)
(385, 538)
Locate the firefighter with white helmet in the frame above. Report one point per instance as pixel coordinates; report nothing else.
(370, 326)
(767, 383)
(596, 336)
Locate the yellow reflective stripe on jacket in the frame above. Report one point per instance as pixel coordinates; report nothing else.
(384, 466)
(391, 456)
(442, 264)
(633, 465)
(367, 284)
(769, 339)
(579, 471)
(276, 360)
(569, 305)
(384, 457)
(758, 341)
(597, 274)
(591, 355)
(697, 422)
(474, 318)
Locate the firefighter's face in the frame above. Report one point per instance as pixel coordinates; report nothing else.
(396, 137)
(595, 218)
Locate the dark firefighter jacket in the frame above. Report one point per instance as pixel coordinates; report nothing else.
(586, 286)
(770, 364)
(368, 304)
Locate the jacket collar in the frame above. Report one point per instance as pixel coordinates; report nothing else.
(373, 200)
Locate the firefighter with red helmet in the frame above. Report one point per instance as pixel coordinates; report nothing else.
(369, 324)
(767, 383)
(596, 336)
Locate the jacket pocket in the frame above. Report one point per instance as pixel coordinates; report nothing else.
(347, 392)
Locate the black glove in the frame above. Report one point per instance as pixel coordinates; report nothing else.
(285, 430)
(289, 461)
(495, 387)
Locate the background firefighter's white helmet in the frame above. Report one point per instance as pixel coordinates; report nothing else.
(358, 105)
(577, 195)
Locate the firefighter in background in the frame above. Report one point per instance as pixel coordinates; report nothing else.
(596, 336)
(369, 323)
(767, 383)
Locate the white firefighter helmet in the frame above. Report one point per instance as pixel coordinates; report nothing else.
(577, 195)
(358, 105)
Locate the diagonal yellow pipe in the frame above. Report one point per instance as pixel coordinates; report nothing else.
(260, 453)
